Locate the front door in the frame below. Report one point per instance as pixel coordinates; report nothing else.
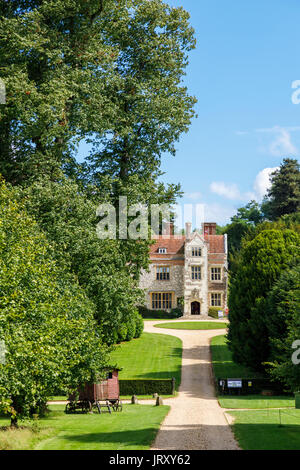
(195, 308)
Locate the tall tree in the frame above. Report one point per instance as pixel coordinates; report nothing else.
(47, 329)
(283, 323)
(68, 217)
(108, 70)
(284, 195)
(262, 261)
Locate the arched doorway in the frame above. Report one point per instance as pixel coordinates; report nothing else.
(195, 308)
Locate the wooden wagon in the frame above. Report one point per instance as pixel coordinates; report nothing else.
(104, 396)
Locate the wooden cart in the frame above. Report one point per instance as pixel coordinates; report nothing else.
(104, 396)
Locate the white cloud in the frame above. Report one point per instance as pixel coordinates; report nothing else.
(281, 144)
(229, 191)
(262, 182)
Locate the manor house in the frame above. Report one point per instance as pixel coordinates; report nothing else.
(189, 270)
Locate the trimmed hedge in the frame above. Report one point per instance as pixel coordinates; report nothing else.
(213, 312)
(249, 387)
(160, 314)
(147, 387)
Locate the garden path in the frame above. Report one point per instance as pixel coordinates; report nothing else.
(196, 421)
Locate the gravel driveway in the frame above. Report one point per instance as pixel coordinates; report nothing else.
(195, 421)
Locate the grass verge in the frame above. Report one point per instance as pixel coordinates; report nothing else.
(134, 428)
(199, 325)
(261, 429)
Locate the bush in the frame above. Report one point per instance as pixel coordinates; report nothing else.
(176, 312)
(213, 312)
(131, 326)
(160, 314)
(122, 332)
(147, 387)
(139, 326)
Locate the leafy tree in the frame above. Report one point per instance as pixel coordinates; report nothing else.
(47, 323)
(105, 70)
(250, 214)
(55, 64)
(283, 324)
(68, 217)
(284, 195)
(262, 261)
(153, 106)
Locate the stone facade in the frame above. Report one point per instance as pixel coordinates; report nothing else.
(192, 268)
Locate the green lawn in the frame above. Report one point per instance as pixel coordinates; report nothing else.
(261, 430)
(197, 325)
(152, 356)
(134, 428)
(223, 365)
(256, 402)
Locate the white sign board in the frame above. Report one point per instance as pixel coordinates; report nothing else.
(234, 383)
(220, 314)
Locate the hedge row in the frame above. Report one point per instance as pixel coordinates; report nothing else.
(249, 387)
(160, 314)
(147, 387)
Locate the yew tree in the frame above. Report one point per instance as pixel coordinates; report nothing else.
(261, 263)
(283, 197)
(283, 324)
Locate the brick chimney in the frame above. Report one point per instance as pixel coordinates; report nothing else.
(167, 228)
(209, 228)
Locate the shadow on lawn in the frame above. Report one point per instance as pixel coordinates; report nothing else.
(183, 437)
(140, 437)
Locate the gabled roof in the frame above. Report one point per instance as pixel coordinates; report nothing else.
(175, 245)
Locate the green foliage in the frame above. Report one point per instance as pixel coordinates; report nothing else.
(146, 387)
(160, 314)
(283, 324)
(68, 217)
(130, 329)
(262, 261)
(284, 195)
(213, 312)
(122, 332)
(139, 326)
(46, 320)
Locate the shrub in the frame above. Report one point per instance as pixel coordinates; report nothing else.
(176, 312)
(213, 312)
(160, 314)
(122, 332)
(131, 326)
(139, 326)
(147, 387)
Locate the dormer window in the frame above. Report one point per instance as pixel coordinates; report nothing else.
(162, 251)
(196, 251)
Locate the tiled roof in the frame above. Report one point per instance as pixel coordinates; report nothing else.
(175, 245)
(216, 243)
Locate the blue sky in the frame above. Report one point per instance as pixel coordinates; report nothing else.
(242, 70)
